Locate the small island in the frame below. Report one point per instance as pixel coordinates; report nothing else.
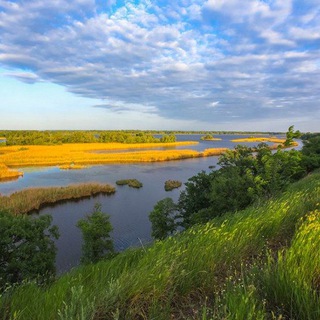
(209, 137)
(172, 184)
(133, 183)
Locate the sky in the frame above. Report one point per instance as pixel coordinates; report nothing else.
(174, 65)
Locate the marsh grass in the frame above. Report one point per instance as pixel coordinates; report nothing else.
(259, 139)
(133, 183)
(260, 263)
(9, 174)
(28, 200)
(172, 184)
(82, 154)
(277, 142)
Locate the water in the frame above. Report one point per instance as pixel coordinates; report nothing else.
(128, 207)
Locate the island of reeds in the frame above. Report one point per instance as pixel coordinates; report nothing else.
(172, 184)
(33, 199)
(133, 183)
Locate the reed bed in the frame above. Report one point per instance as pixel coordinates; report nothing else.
(82, 154)
(8, 174)
(220, 270)
(259, 139)
(28, 200)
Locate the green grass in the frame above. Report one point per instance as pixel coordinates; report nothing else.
(260, 263)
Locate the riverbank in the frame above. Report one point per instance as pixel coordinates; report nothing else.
(31, 199)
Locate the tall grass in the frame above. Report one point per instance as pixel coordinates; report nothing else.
(84, 153)
(8, 174)
(229, 268)
(278, 142)
(259, 139)
(30, 199)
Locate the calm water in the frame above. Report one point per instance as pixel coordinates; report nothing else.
(128, 207)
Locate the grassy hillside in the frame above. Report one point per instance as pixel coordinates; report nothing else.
(261, 263)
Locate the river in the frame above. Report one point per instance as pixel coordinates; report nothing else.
(128, 208)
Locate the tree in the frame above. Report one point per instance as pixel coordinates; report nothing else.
(195, 197)
(27, 249)
(245, 175)
(291, 135)
(311, 153)
(96, 229)
(163, 219)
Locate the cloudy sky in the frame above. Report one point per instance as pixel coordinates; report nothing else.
(179, 64)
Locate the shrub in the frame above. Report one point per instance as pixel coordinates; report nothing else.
(172, 184)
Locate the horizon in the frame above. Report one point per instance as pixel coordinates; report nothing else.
(226, 65)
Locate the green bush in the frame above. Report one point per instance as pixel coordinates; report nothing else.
(97, 243)
(27, 249)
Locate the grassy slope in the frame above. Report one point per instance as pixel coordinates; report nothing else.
(261, 263)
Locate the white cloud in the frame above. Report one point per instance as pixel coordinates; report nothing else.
(168, 59)
(214, 104)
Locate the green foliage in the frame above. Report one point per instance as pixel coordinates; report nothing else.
(246, 175)
(207, 137)
(168, 138)
(34, 137)
(27, 249)
(96, 229)
(311, 153)
(290, 135)
(163, 219)
(195, 197)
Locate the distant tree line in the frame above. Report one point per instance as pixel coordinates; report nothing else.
(246, 176)
(33, 137)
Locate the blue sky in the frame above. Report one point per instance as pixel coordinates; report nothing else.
(188, 65)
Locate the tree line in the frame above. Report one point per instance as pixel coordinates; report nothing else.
(34, 137)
